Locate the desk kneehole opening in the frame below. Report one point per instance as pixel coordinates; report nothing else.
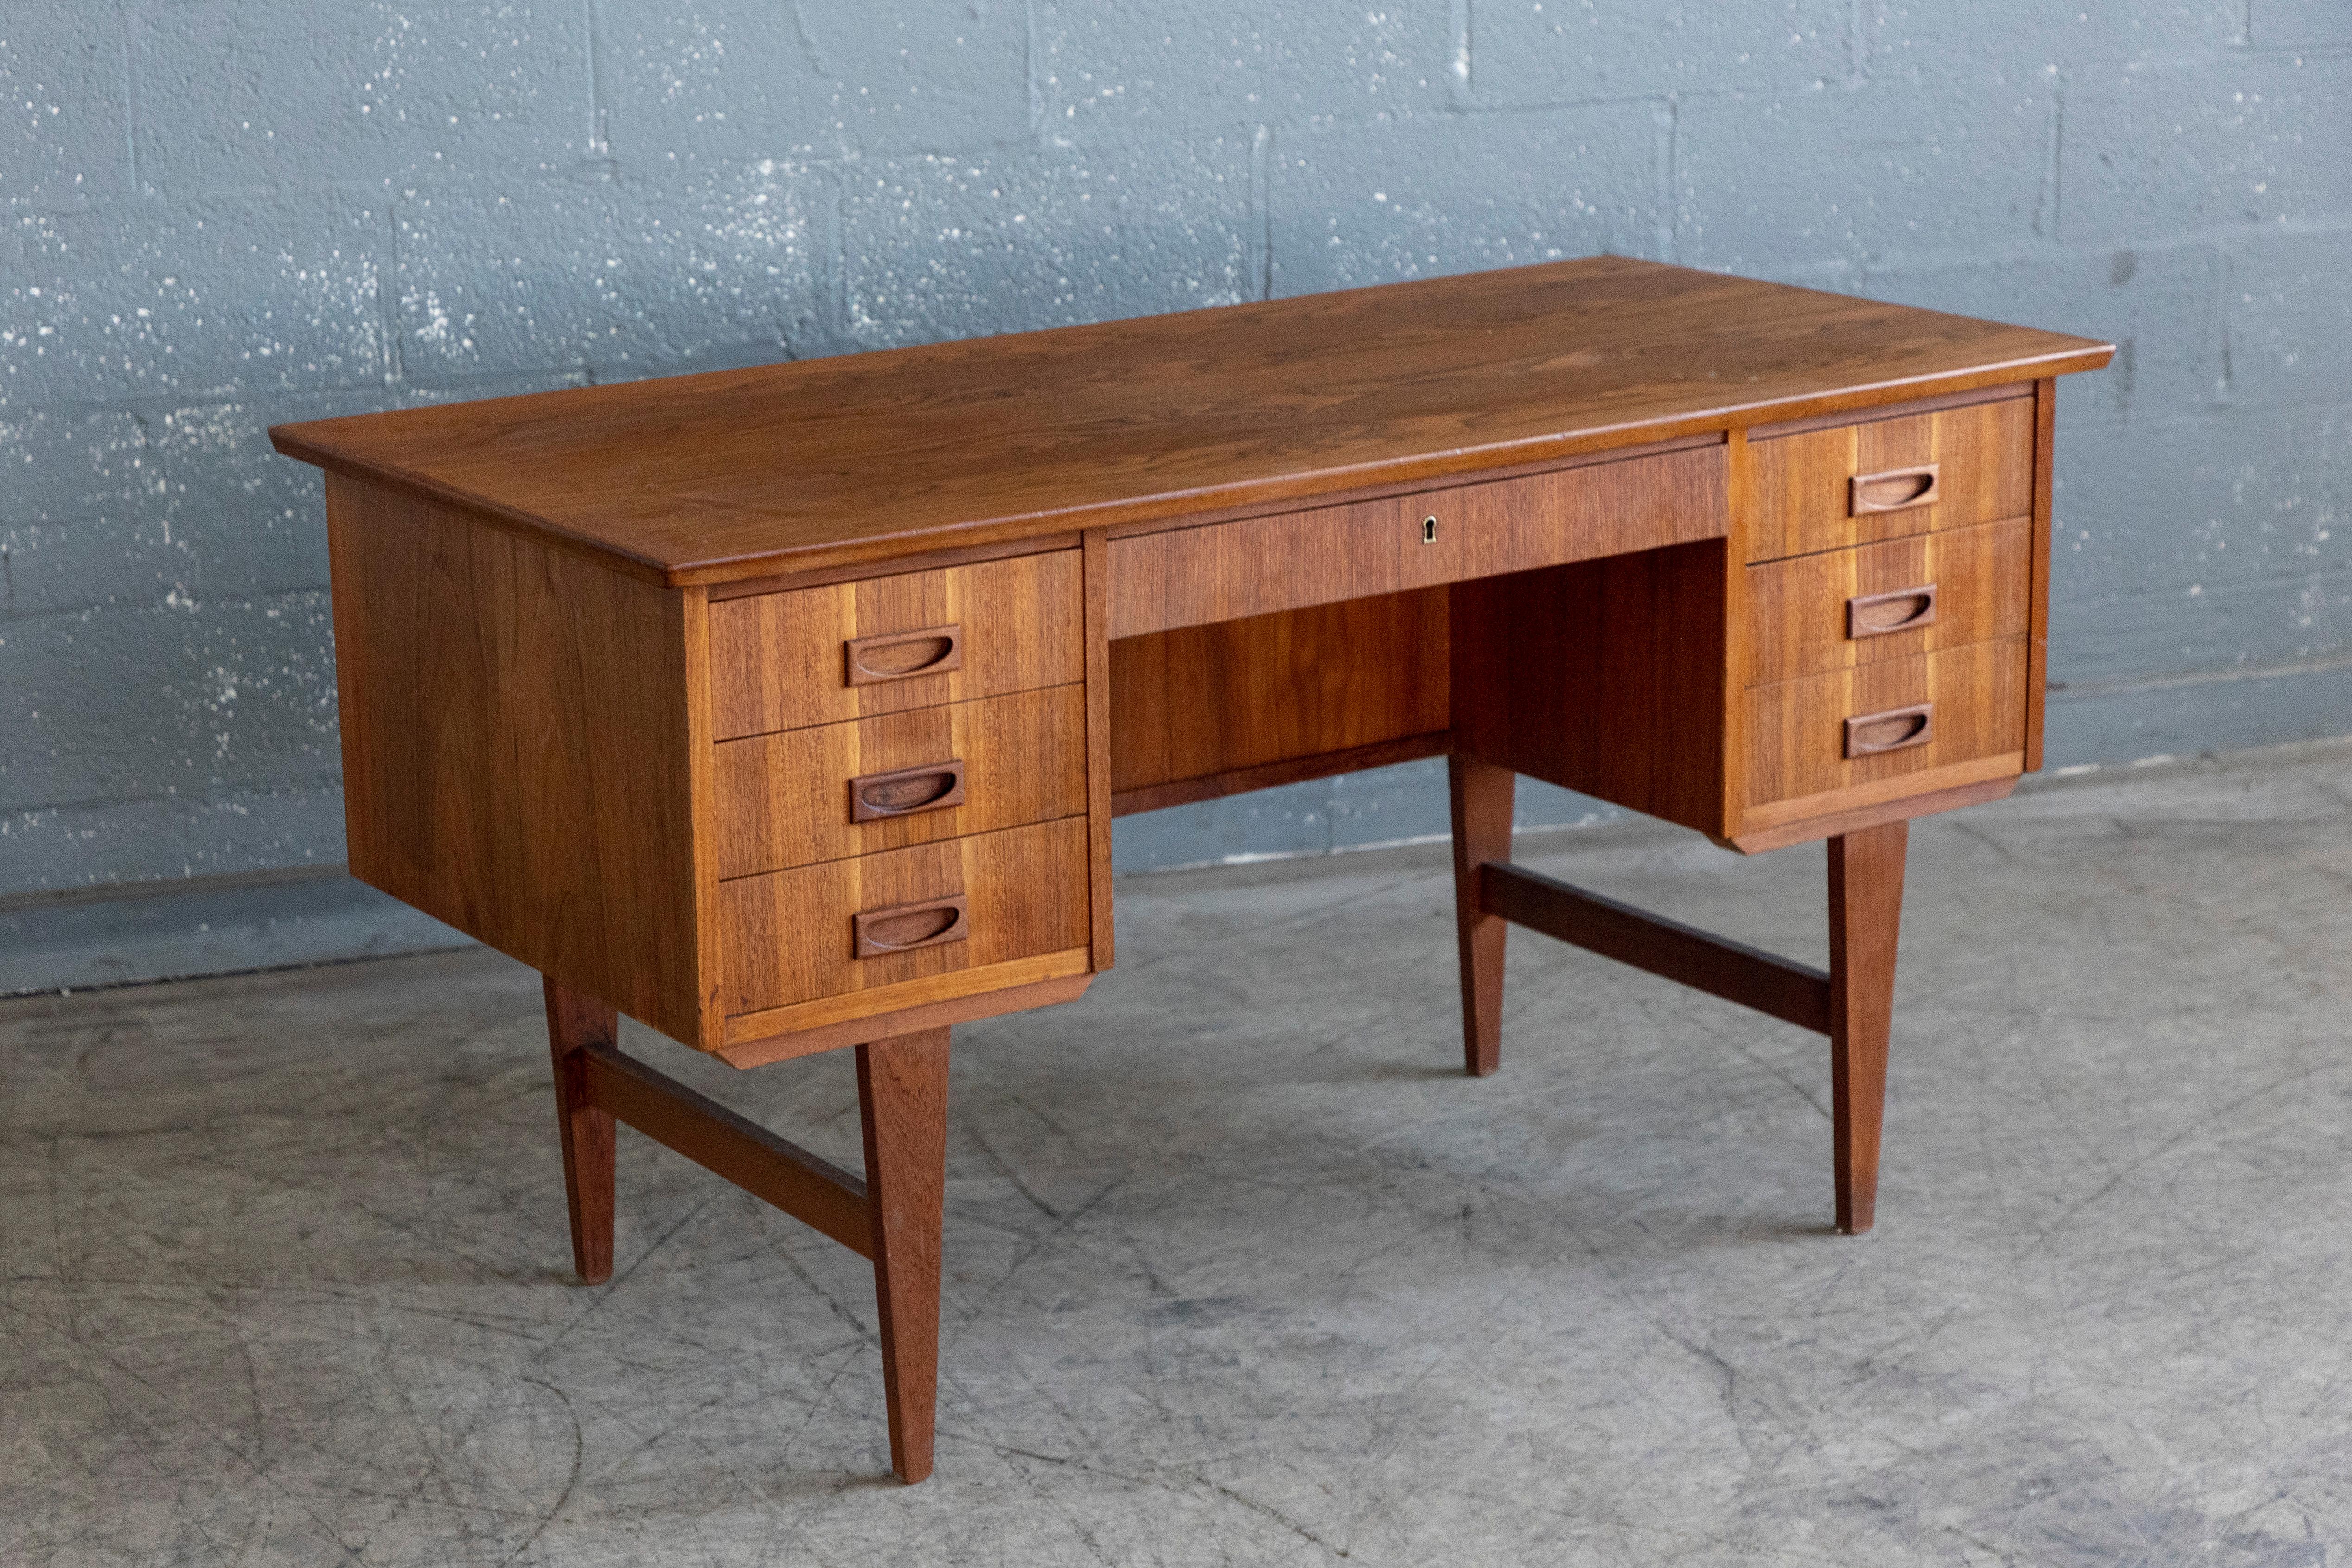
(905, 792)
(902, 928)
(1895, 489)
(1898, 610)
(903, 656)
(1870, 734)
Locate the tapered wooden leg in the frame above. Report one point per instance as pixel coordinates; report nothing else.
(1481, 798)
(574, 1022)
(1865, 913)
(902, 1102)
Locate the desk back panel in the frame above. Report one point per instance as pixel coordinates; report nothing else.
(1203, 712)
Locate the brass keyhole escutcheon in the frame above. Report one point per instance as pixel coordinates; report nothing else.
(1429, 530)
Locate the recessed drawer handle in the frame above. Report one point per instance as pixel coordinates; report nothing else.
(902, 928)
(1899, 610)
(901, 656)
(1895, 489)
(903, 791)
(1868, 735)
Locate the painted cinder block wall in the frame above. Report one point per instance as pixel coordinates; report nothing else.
(219, 215)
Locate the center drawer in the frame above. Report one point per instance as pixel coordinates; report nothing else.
(1258, 565)
(805, 795)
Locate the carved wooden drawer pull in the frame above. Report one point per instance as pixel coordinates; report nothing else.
(1868, 735)
(901, 656)
(1898, 610)
(902, 928)
(1895, 489)
(903, 791)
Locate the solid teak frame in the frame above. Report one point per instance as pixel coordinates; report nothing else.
(787, 710)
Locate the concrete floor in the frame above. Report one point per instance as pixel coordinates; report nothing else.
(1242, 1270)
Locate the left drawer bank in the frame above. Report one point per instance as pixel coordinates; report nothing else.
(564, 760)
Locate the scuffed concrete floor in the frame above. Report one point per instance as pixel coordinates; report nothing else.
(1242, 1269)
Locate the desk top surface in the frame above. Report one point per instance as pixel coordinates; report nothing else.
(736, 474)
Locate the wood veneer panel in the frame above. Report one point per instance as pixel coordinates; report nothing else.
(2037, 668)
(518, 756)
(1984, 455)
(1796, 728)
(1983, 586)
(746, 473)
(1254, 566)
(1210, 700)
(789, 933)
(1607, 677)
(779, 661)
(784, 799)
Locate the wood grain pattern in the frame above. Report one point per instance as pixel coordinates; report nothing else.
(952, 996)
(1984, 453)
(789, 936)
(1797, 728)
(1920, 794)
(1229, 570)
(1865, 917)
(784, 798)
(1983, 577)
(1205, 702)
(575, 1025)
(777, 660)
(1607, 677)
(519, 753)
(760, 1038)
(902, 1112)
(746, 473)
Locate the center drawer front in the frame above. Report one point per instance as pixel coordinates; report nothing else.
(1968, 704)
(1229, 570)
(795, 798)
(848, 650)
(793, 936)
(1844, 607)
(1807, 498)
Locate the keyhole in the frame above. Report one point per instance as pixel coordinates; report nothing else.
(1429, 531)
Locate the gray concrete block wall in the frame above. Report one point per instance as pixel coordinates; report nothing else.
(215, 217)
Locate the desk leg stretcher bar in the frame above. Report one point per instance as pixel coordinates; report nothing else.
(892, 1216)
(1853, 1003)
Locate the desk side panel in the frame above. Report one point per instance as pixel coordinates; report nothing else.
(518, 747)
(1606, 676)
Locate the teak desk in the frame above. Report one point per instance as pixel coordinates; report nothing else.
(787, 710)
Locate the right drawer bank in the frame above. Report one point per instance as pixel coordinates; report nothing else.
(1890, 581)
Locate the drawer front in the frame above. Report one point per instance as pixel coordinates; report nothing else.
(1883, 721)
(834, 790)
(849, 650)
(1229, 570)
(1854, 484)
(1895, 600)
(962, 903)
